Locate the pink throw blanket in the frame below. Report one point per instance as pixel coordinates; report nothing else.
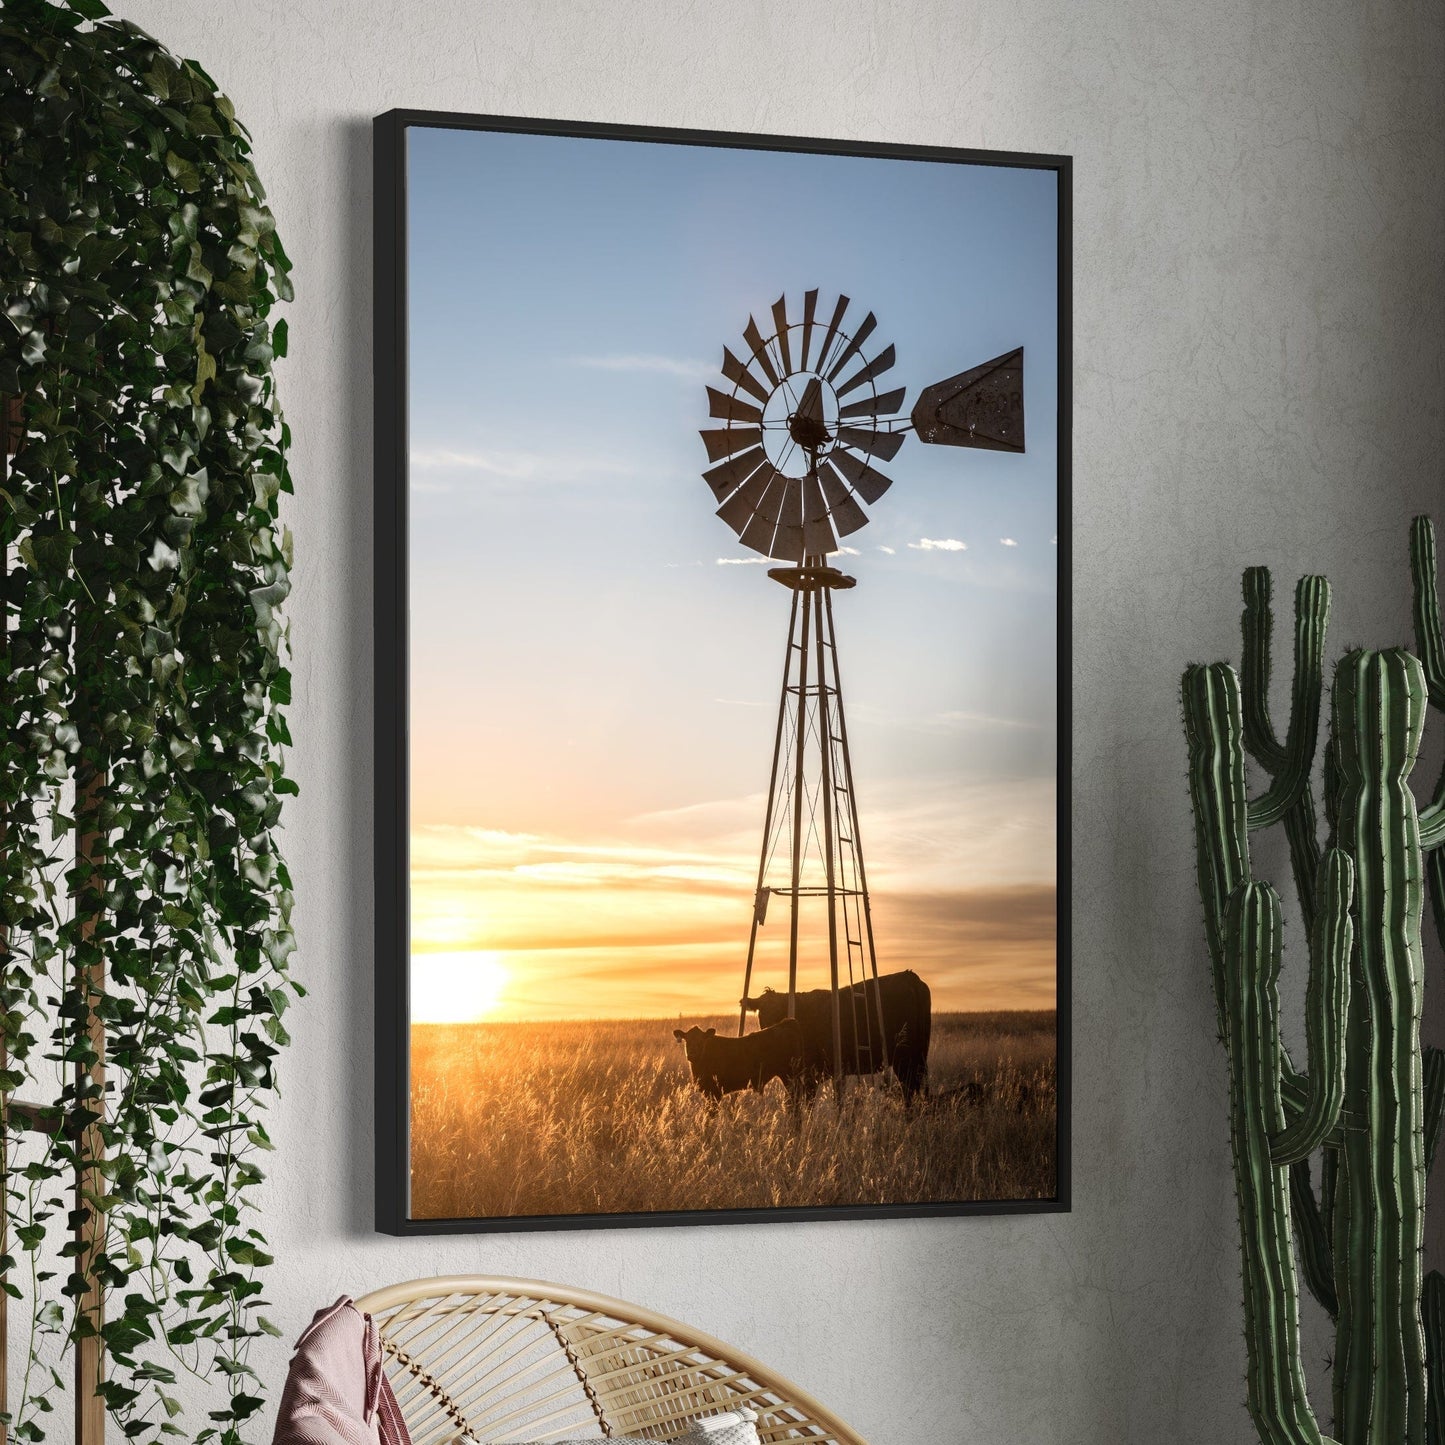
(336, 1391)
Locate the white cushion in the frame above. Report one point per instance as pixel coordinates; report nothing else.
(734, 1428)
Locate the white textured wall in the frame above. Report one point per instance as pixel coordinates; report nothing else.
(1259, 214)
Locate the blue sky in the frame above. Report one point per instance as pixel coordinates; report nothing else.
(590, 651)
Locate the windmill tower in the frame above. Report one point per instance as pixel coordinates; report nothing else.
(803, 421)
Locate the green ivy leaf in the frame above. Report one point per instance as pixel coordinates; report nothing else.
(182, 172)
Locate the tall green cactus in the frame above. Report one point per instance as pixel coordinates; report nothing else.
(1370, 1099)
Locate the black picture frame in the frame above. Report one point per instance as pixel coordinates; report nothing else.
(391, 893)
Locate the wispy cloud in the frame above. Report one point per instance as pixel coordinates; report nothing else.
(498, 463)
(452, 469)
(1007, 542)
(847, 552)
(925, 833)
(987, 720)
(742, 561)
(939, 544)
(635, 361)
(891, 551)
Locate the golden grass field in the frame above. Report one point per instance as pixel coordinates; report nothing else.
(602, 1118)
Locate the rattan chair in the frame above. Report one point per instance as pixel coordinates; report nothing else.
(473, 1358)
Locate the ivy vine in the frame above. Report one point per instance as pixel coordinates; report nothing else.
(144, 906)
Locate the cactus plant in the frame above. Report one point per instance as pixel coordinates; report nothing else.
(1369, 1100)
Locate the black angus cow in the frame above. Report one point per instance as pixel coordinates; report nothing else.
(907, 1025)
(723, 1065)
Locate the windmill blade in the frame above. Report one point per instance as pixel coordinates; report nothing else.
(847, 515)
(754, 339)
(818, 536)
(727, 407)
(810, 305)
(740, 508)
(739, 375)
(790, 512)
(983, 407)
(870, 321)
(774, 504)
(725, 479)
(876, 367)
(815, 505)
(831, 332)
(810, 404)
(868, 483)
(780, 321)
(788, 545)
(724, 441)
(876, 405)
(882, 444)
(758, 534)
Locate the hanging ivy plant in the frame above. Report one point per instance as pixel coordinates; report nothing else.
(144, 906)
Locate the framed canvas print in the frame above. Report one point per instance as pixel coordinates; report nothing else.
(722, 549)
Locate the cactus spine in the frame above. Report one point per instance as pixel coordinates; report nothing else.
(1369, 1101)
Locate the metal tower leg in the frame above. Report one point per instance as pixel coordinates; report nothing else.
(759, 897)
(799, 758)
(872, 956)
(825, 749)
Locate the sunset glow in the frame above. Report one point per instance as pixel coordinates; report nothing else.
(456, 988)
(651, 920)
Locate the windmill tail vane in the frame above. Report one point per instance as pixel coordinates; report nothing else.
(802, 425)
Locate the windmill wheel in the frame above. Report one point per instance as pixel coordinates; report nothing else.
(803, 421)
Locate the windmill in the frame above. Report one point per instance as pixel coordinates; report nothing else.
(803, 422)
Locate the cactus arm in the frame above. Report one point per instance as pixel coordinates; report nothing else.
(1430, 644)
(1434, 1064)
(1432, 817)
(1329, 1177)
(1432, 1315)
(1316, 1258)
(1278, 1401)
(1332, 794)
(1379, 705)
(1213, 729)
(1294, 1093)
(1435, 871)
(1327, 1000)
(1294, 1089)
(1335, 1205)
(1302, 832)
(1256, 627)
(1432, 826)
(1291, 773)
(1429, 638)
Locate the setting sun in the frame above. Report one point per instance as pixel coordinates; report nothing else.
(456, 988)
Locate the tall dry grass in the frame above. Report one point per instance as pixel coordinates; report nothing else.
(602, 1118)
